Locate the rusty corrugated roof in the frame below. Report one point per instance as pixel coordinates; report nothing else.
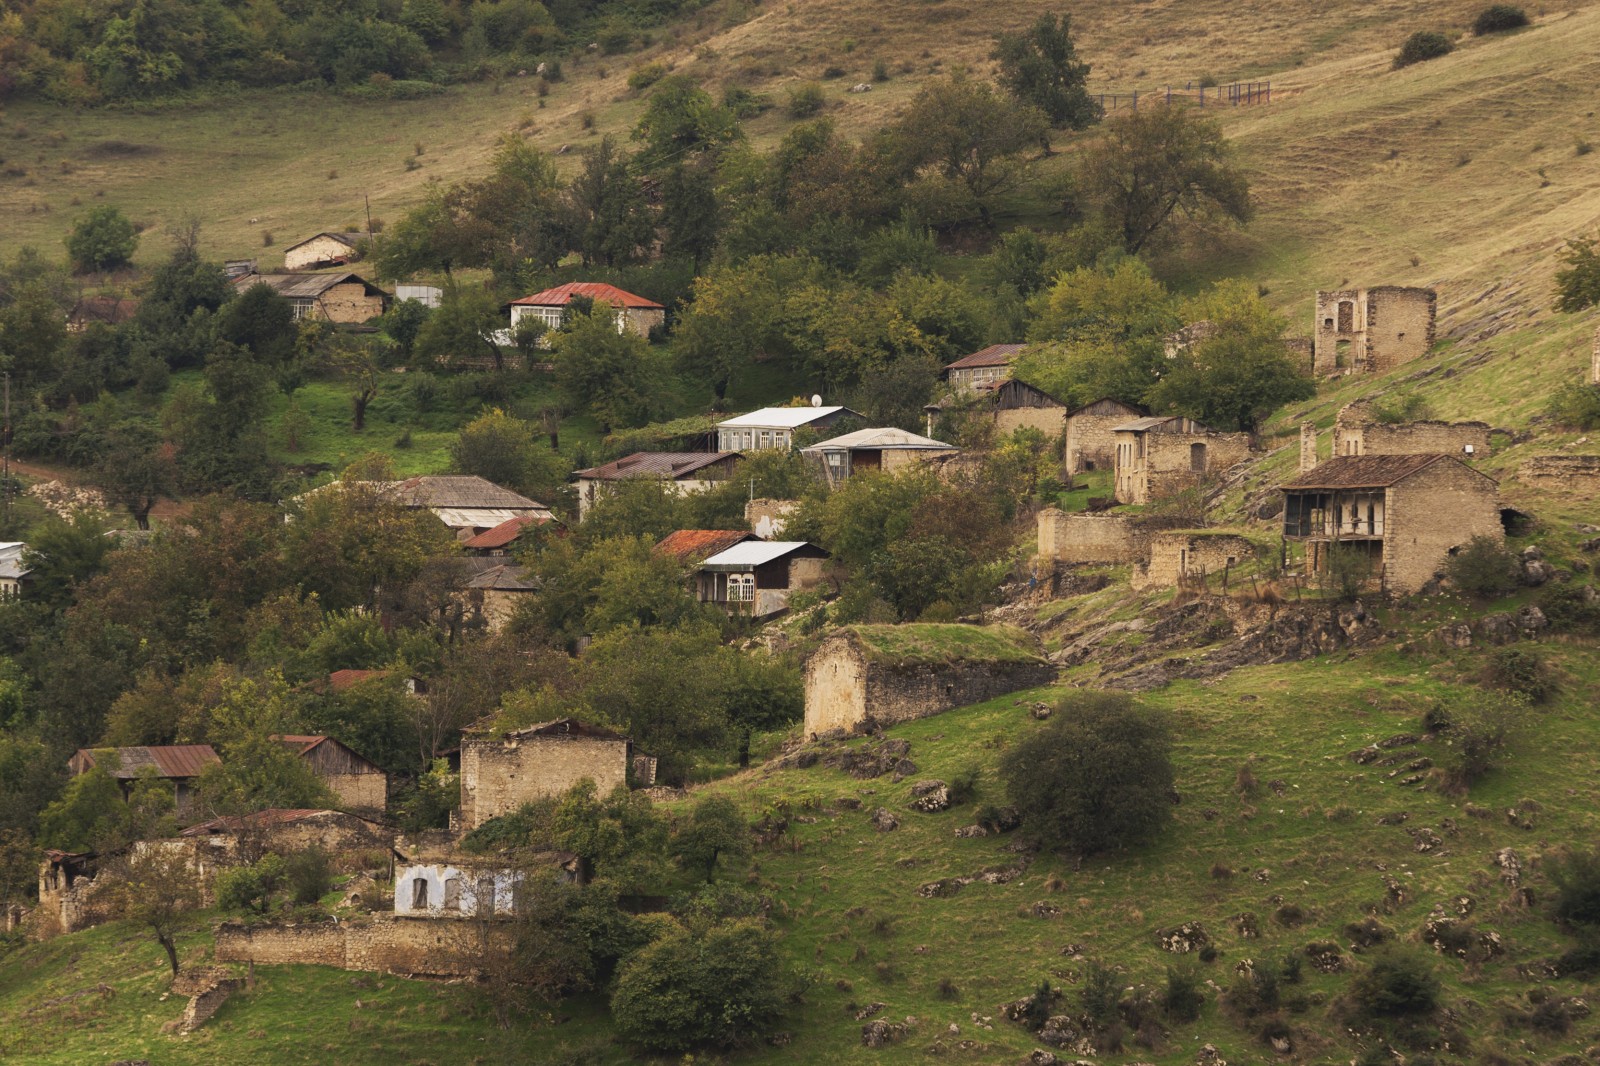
(168, 760)
(1362, 471)
(994, 355)
(304, 286)
(504, 533)
(698, 545)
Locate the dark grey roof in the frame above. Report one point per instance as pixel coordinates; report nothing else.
(460, 490)
(305, 286)
(1367, 471)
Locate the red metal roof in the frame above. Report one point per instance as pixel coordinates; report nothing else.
(656, 464)
(504, 533)
(597, 291)
(994, 355)
(169, 760)
(698, 545)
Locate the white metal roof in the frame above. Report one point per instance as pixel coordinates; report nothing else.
(880, 438)
(11, 559)
(752, 553)
(778, 417)
(474, 517)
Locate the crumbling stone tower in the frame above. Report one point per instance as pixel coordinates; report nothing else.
(1370, 331)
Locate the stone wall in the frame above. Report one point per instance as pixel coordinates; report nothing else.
(1594, 359)
(477, 891)
(349, 303)
(642, 320)
(1435, 510)
(1168, 466)
(1355, 432)
(1047, 420)
(384, 944)
(1090, 443)
(500, 774)
(1089, 538)
(1575, 474)
(317, 252)
(366, 793)
(1379, 328)
(1180, 559)
(847, 690)
(766, 517)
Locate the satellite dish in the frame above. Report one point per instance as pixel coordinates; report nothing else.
(816, 400)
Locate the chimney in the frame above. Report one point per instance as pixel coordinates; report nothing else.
(1308, 446)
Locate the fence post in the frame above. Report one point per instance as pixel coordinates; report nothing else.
(1136, 99)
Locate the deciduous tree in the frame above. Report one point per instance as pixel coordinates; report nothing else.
(1040, 66)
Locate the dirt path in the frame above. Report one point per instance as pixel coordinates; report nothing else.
(165, 508)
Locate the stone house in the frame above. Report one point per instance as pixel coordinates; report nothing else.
(177, 764)
(884, 450)
(502, 771)
(323, 250)
(1405, 514)
(360, 784)
(755, 578)
(774, 427)
(13, 572)
(1091, 433)
(450, 885)
(1371, 331)
(1163, 455)
(491, 593)
(468, 504)
(634, 314)
(67, 887)
(1010, 403)
(1191, 558)
(866, 677)
(344, 299)
(983, 367)
(1357, 432)
(1088, 538)
(685, 472)
(285, 831)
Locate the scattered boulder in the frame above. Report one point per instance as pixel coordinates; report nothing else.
(967, 832)
(1210, 1056)
(1458, 635)
(847, 803)
(931, 796)
(1393, 817)
(1183, 939)
(1040, 1057)
(1041, 711)
(883, 821)
(1498, 628)
(1325, 956)
(871, 1010)
(1510, 864)
(1247, 925)
(1530, 619)
(879, 1033)
(861, 87)
(1424, 840)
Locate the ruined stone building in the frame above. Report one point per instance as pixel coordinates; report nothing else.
(1403, 514)
(1087, 538)
(1163, 455)
(502, 771)
(1371, 331)
(868, 676)
(1091, 433)
(360, 784)
(1357, 432)
(451, 885)
(1192, 558)
(177, 765)
(1575, 475)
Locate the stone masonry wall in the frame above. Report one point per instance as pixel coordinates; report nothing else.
(1047, 420)
(1575, 474)
(1180, 558)
(836, 687)
(350, 303)
(1090, 442)
(1168, 468)
(1436, 509)
(500, 775)
(1400, 326)
(1089, 538)
(366, 793)
(901, 694)
(427, 946)
(1411, 438)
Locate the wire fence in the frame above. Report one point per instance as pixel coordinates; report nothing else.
(1239, 94)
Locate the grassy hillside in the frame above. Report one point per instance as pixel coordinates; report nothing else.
(1306, 852)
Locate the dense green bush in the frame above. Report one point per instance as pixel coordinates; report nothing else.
(1423, 45)
(1497, 18)
(1184, 996)
(1096, 777)
(1398, 984)
(250, 888)
(1570, 607)
(1477, 730)
(1576, 876)
(1484, 569)
(1575, 405)
(309, 875)
(1521, 672)
(805, 101)
(103, 239)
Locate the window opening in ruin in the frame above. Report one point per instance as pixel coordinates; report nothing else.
(1341, 354)
(452, 893)
(419, 894)
(1347, 316)
(1197, 458)
(485, 895)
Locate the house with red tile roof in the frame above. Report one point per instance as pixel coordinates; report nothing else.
(633, 312)
(502, 539)
(686, 472)
(695, 546)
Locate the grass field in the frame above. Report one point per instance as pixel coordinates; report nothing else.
(1309, 837)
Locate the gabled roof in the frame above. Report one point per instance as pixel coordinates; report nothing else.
(1368, 471)
(505, 577)
(1144, 425)
(340, 680)
(994, 355)
(168, 760)
(345, 238)
(1134, 409)
(11, 560)
(875, 439)
(302, 743)
(565, 727)
(305, 286)
(782, 417)
(505, 532)
(697, 545)
(655, 464)
(461, 491)
(752, 553)
(598, 291)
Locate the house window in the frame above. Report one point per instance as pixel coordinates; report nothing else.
(741, 588)
(485, 896)
(301, 308)
(452, 893)
(780, 438)
(419, 894)
(836, 465)
(766, 438)
(1197, 458)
